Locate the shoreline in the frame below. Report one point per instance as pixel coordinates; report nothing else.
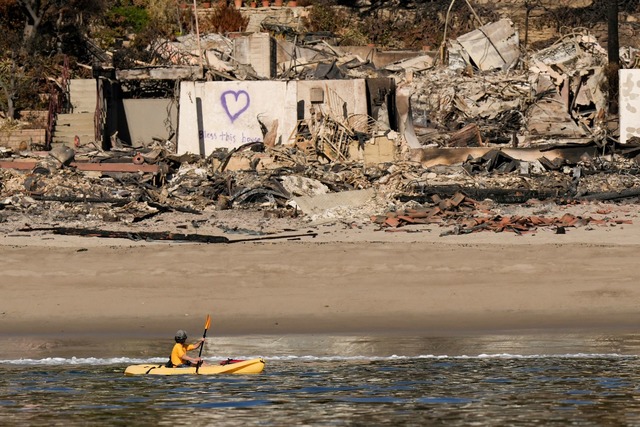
(427, 326)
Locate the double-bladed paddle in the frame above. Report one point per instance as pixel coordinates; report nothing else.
(207, 323)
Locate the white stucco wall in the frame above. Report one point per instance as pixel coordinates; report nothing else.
(353, 93)
(629, 104)
(256, 50)
(230, 110)
(229, 113)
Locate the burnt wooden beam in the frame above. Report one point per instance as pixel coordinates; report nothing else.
(167, 208)
(289, 236)
(613, 195)
(139, 235)
(158, 235)
(79, 199)
(86, 166)
(160, 73)
(499, 195)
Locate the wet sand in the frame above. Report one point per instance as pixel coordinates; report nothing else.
(344, 281)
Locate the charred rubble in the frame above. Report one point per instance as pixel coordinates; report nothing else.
(476, 130)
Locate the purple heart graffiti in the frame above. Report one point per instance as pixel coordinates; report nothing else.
(234, 103)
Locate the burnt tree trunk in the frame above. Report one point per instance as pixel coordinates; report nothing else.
(613, 51)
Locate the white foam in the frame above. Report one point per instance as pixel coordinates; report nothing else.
(53, 361)
(57, 361)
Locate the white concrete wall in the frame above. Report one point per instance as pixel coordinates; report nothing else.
(230, 110)
(629, 104)
(148, 118)
(256, 50)
(351, 93)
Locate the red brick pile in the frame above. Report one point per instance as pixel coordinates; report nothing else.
(468, 216)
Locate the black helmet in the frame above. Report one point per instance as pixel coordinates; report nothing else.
(181, 336)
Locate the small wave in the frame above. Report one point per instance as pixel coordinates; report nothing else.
(54, 361)
(442, 357)
(556, 356)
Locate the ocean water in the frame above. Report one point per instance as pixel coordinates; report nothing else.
(560, 379)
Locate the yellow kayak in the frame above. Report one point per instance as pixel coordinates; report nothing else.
(252, 366)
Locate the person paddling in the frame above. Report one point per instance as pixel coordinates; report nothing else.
(179, 357)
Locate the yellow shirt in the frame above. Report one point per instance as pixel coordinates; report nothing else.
(178, 351)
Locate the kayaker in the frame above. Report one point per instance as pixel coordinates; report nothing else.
(179, 357)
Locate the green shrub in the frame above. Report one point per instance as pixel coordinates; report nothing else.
(124, 19)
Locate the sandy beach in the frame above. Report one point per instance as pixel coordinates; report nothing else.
(350, 278)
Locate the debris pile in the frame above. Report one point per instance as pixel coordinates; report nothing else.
(489, 123)
(446, 195)
(466, 216)
(556, 100)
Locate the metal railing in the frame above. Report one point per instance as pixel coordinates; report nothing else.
(99, 117)
(59, 102)
(51, 117)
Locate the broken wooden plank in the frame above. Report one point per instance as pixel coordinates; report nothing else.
(86, 166)
(158, 235)
(80, 199)
(613, 195)
(284, 236)
(115, 167)
(160, 73)
(468, 136)
(499, 195)
(138, 235)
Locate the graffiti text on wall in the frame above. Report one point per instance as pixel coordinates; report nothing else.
(227, 137)
(235, 103)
